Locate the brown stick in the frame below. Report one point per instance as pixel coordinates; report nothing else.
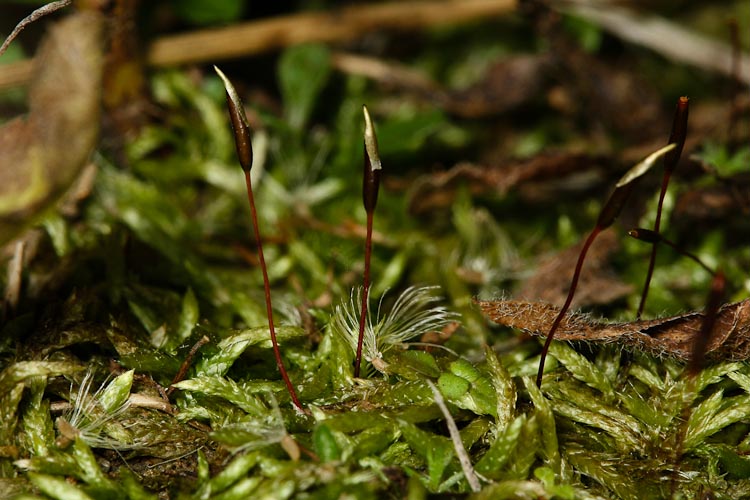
(344, 24)
(255, 37)
(660, 35)
(185, 366)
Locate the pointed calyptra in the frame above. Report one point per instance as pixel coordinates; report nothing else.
(370, 186)
(609, 213)
(676, 137)
(242, 137)
(372, 165)
(243, 142)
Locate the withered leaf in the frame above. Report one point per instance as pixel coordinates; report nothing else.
(41, 154)
(507, 84)
(597, 284)
(672, 336)
(533, 179)
(713, 203)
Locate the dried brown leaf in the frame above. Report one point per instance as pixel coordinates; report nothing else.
(714, 203)
(506, 85)
(672, 336)
(41, 154)
(531, 177)
(597, 284)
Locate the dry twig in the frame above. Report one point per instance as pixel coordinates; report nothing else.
(255, 37)
(661, 36)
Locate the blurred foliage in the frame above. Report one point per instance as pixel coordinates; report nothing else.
(200, 12)
(161, 255)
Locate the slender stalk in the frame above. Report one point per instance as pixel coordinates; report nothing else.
(655, 245)
(700, 344)
(566, 306)
(458, 446)
(713, 304)
(690, 255)
(180, 376)
(677, 137)
(607, 216)
(365, 294)
(267, 290)
(652, 237)
(244, 145)
(370, 186)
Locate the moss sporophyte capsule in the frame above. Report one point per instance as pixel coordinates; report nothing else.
(370, 187)
(243, 142)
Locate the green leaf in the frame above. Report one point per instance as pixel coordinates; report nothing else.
(373, 440)
(437, 451)
(714, 414)
(416, 363)
(37, 424)
(188, 317)
(57, 229)
(525, 455)
(232, 347)
(726, 162)
(117, 392)
(734, 464)
(547, 477)
(325, 444)
(353, 421)
(408, 132)
(581, 404)
(57, 488)
(465, 370)
(237, 393)
(133, 489)
(202, 12)
(392, 274)
(547, 424)
(150, 361)
(240, 490)
(501, 449)
(588, 34)
(303, 72)
(234, 471)
(8, 413)
(581, 368)
(505, 388)
(452, 386)
(466, 387)
(90, 471)
(20, 371)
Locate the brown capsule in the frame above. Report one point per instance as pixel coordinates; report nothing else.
(653, 237)
(614, 205)
(678, 134)
(242, 138)
(372, 165)
(676, 138)
(646, 235)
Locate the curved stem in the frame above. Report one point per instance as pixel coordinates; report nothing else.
(689, 255)
(365, 294)
(566, 306)
(657, 226)
(267, 289)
